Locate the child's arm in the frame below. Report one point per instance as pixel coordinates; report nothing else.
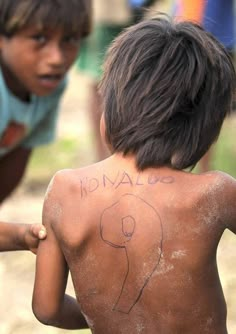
(20, 236)
(51, 305)
(12, 168)
(227, 199)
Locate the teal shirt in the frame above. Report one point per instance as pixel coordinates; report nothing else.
(27, 124)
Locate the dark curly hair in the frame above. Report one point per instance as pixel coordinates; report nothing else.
(166, 90)
(70, 15)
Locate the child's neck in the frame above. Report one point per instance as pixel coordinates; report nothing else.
(14, 85)
(128, 162)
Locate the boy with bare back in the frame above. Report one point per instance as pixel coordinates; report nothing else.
(138, 232)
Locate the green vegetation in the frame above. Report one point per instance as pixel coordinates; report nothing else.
(224, 151)
(66, 152)
(48, 159)
(224, 155)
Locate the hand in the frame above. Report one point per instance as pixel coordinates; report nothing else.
(34, 233)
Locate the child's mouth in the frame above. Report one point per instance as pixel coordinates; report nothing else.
(50, 80)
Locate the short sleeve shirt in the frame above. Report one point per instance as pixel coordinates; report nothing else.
(27, 124)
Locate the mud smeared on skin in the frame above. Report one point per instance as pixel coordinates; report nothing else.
(179, 254)
(57, 211)
(140, 328)
(209, 209)
(54, 209)
(49, 189)
(163, 268)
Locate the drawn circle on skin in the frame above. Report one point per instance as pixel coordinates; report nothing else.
(140, 241)
(128, 227)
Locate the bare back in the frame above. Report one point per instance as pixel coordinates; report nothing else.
(141, 248)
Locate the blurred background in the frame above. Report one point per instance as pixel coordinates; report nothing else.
(75, 147)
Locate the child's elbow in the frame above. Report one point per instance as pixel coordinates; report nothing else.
(45, 316)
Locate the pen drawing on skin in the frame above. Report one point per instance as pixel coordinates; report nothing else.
(123, 230)
(90, 185)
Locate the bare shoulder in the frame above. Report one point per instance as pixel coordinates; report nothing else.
(64, 192)
(60, 190)
(64, 177)
(221, 183)
(65, 180)
(221, 188)
(57, 182)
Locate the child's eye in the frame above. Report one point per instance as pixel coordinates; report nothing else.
(72, 40)
(39, 38)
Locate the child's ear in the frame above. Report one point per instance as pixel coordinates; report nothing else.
(103, 132)
(103, 128)
(1, 39)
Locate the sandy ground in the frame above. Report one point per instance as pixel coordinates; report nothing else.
(17, 268)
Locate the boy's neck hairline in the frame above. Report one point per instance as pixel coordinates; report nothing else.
(131, 158)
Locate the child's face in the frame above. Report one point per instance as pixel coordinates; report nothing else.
(35, 60)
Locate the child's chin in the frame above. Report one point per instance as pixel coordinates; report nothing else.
(44, 92)
(46, 87)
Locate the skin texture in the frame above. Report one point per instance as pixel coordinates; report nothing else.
(45, 57)
(140, 246)
(21, 236)
(10, 176)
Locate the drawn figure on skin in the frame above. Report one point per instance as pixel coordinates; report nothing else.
(122, 227)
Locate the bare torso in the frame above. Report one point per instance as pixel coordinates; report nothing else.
(141, 248)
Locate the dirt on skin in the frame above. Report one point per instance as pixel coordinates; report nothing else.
(25, 205)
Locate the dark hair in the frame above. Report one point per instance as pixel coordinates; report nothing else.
(71, 15)
(166, 89)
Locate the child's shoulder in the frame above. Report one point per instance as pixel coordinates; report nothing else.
(213, 187)
(216, 182)
(65, 178)
(220, 187)
(218, 179)
(211, 194)
(225, 198)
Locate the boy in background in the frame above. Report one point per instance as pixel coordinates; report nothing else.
(138, 233)
(39, 41)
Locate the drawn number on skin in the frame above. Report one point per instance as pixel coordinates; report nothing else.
(123, 229)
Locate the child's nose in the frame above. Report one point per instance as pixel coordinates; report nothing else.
(56, 56)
